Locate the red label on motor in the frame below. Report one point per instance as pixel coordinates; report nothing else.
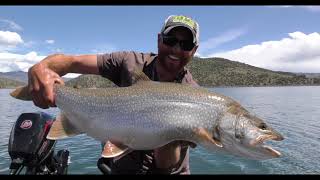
(26, 124)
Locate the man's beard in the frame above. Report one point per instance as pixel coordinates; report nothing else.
(173, 65)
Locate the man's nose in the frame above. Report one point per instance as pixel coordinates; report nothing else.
(177, 48)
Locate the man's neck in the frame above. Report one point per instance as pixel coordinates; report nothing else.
(164, 74)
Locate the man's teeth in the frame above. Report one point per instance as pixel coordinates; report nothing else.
(173, 57)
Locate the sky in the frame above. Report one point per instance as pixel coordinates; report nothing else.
(280, 38)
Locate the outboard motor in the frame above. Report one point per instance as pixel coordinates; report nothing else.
(28, 146)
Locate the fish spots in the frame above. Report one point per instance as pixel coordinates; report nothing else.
(216, 98)
(236, 109)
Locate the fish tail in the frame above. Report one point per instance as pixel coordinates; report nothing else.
(22, 93)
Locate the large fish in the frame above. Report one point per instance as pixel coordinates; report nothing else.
(151, 114)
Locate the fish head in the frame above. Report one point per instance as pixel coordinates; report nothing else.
(238, 132)
(244, 134)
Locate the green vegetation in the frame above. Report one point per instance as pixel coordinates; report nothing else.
(9, 83)
(223, 72)
(210, 72)
(89, 81)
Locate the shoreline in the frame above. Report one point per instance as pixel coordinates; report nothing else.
(221, 86)
(258, 86)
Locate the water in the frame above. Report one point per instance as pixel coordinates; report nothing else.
(293, 111)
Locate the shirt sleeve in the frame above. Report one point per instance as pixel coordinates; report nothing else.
(110, 65)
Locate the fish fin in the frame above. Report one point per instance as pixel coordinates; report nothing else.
(21, 93)
(138, 75)
(61, 128)
(204, 135)
(113, 149)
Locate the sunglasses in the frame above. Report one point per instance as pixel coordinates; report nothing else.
(185, 45)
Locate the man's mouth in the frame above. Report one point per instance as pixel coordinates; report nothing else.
(173, 58)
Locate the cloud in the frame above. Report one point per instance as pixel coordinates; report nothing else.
(9, 40)
(197, 54)
(313, 8)
(71, 75)
(297, 53)
(17, 62)
(57, 50)
(29, 44)
(22, 62)
(227, 36)
(50, 41)
(284, 6)
(104, 48)
(308, 8)
(4, 23)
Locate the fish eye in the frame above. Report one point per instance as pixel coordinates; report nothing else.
(262, 126)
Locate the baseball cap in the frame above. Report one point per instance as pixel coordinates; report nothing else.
(184, 21)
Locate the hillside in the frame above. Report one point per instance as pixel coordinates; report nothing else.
(20, 76)
(223, 72)
(310, 75)
(15, 75)
(86, 81)
(213, 72)
(9, 83)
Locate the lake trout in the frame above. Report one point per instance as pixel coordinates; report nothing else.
(150, 114)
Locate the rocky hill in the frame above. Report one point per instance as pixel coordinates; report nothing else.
(214, 72)
(9, 83)
(223, 72)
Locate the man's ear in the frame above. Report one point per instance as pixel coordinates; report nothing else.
(159, 38)
(194, 50)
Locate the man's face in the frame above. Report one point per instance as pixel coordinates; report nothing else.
(174, 58)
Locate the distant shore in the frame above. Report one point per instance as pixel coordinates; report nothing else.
(257, 86)
(207, 72)
(11, 88)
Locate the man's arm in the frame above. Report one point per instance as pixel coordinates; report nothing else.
(43, 75)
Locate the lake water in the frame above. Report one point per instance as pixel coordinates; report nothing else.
(293, 111)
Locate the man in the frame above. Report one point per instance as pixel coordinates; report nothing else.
(177, 44)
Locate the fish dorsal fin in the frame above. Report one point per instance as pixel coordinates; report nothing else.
(61, 128)
(21, 93)
(114, 149)
(139, 76)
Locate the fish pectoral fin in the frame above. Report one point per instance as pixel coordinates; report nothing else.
(61, 128)
(113, 149)
(204, 135)
(217, 142)
(21, 93)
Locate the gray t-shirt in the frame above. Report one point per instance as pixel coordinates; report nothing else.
(118, 68)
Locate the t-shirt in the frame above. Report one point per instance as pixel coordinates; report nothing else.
(118, 67)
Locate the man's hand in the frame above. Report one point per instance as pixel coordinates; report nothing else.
(40, 84)
(169, 155)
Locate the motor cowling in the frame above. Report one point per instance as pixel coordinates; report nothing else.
(28, 144)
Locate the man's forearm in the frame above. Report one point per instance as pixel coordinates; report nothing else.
(63, 64)
(58, 63)
(167, 156)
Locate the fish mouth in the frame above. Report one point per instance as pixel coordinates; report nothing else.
(271, 151)
(259, 142)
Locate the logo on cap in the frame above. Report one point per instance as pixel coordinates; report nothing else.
(185, 20)
(26, 124)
